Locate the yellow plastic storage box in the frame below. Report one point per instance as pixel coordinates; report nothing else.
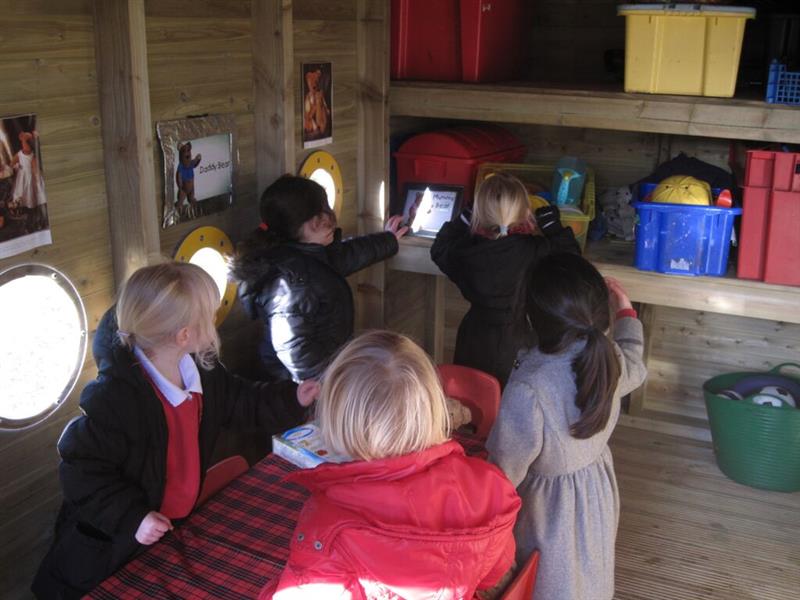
(542, 176)
(690, 49)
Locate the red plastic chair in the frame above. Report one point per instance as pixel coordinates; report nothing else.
(521, 588)
(477, 390)
(220, 475)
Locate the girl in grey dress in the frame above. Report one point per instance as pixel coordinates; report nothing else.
(558, 411)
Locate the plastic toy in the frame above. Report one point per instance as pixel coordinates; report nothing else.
(682, 189)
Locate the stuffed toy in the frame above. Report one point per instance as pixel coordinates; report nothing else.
(682, 189)
(619, 215)
(184, 179)
(316, 113)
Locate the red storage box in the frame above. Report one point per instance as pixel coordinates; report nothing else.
(425, 40)
(454, 40)
(491, 39)
(769, 248)
(452, 156)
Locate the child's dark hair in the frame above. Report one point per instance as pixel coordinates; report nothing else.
(566, 300)
(285, 205)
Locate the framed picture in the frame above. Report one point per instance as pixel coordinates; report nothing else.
(200, 161)
(428, 206)
(317, 86)
(24, 223)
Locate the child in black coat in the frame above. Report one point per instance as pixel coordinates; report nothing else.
(485, 254)
(291, 275)
(136, 459)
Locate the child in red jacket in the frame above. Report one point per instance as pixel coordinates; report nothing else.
(411, 516)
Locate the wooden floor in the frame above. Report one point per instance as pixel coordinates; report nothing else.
(689, 532)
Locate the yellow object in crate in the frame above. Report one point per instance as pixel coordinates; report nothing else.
(534, 176)
(690, 49)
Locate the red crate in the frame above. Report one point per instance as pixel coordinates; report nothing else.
(753, 233)
(491, 39)
(451, 156)
(775, 170)
(425, 40)
(782, 260)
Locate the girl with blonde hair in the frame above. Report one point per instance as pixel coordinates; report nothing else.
(411, 516)
(484, 252)
(133, 464)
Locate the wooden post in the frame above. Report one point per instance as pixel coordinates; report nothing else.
(373, 144)
(647, 315)
(273, 61)
(121, 57)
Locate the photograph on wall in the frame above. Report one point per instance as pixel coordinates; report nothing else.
(317, 86)
(23, 203)
(427, 207)
(200, 158)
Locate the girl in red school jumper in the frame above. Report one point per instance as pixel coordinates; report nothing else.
(134, 462)
(485, 252)
(411, 516)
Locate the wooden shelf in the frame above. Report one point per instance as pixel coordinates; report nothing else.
(726, 295)
(598, 108)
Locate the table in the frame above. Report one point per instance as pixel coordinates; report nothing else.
(230, 547)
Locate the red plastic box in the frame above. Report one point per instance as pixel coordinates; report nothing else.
(451, 156)
(425, 40)
(455, 40)
(770, 234)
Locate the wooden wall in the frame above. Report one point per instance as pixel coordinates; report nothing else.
(47, 65)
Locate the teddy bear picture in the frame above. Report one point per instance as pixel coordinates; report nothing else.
(317, 114)
(184, 180)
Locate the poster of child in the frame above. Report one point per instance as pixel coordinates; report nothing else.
(24, 224)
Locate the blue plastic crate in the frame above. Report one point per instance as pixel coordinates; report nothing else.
(783, 87)
(681, 239)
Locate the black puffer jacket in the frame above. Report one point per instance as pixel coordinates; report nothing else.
(300, 293)
(487, 272)
(113, 459)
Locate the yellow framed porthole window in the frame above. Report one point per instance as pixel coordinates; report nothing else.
(210, 249)
(320, 166)
(43, 338)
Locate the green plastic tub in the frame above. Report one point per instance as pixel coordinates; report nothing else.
(755, 445)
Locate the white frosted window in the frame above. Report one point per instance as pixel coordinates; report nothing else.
(325, 179)
(42, 343)
(213, 263)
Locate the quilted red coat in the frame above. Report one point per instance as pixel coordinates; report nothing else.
(434, 524)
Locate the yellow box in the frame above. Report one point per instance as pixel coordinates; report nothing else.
(542, 176)
(690, 49)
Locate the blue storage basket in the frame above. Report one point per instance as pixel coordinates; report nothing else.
(783, 87)
(682, 239)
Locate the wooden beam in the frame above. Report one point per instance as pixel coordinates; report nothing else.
(599, 109)
(273, 60)
(647, 317)
(123, 85)
(373, 144)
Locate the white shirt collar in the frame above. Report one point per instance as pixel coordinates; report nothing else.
(173, 394)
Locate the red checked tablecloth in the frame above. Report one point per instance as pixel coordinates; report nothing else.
(229, 548)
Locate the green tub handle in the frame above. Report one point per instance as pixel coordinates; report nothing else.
(777, 368)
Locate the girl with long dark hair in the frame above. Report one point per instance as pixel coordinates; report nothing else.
(558, 410)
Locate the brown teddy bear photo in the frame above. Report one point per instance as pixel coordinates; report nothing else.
(316, 109)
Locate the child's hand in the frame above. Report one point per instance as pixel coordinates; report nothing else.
(307, 392)
(394, 224)
(617, 297)
(152, 528)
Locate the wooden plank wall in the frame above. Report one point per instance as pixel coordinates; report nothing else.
(47, 65)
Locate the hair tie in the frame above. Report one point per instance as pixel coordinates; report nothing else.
(263, 226)
(503, 230)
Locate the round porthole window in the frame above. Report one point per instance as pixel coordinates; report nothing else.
(42, 343)
(321, 167)
(209, 248)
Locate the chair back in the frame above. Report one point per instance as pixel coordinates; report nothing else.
(521, 587)
(220, 475)
(477, 390)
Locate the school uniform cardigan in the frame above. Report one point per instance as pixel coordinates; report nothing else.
(113, 460)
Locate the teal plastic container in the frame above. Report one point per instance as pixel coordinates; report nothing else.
(754, 445)
(569, 177)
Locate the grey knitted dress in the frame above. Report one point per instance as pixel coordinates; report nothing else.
(570, 502)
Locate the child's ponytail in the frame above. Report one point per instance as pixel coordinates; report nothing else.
(566, 302)
(596, 374)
